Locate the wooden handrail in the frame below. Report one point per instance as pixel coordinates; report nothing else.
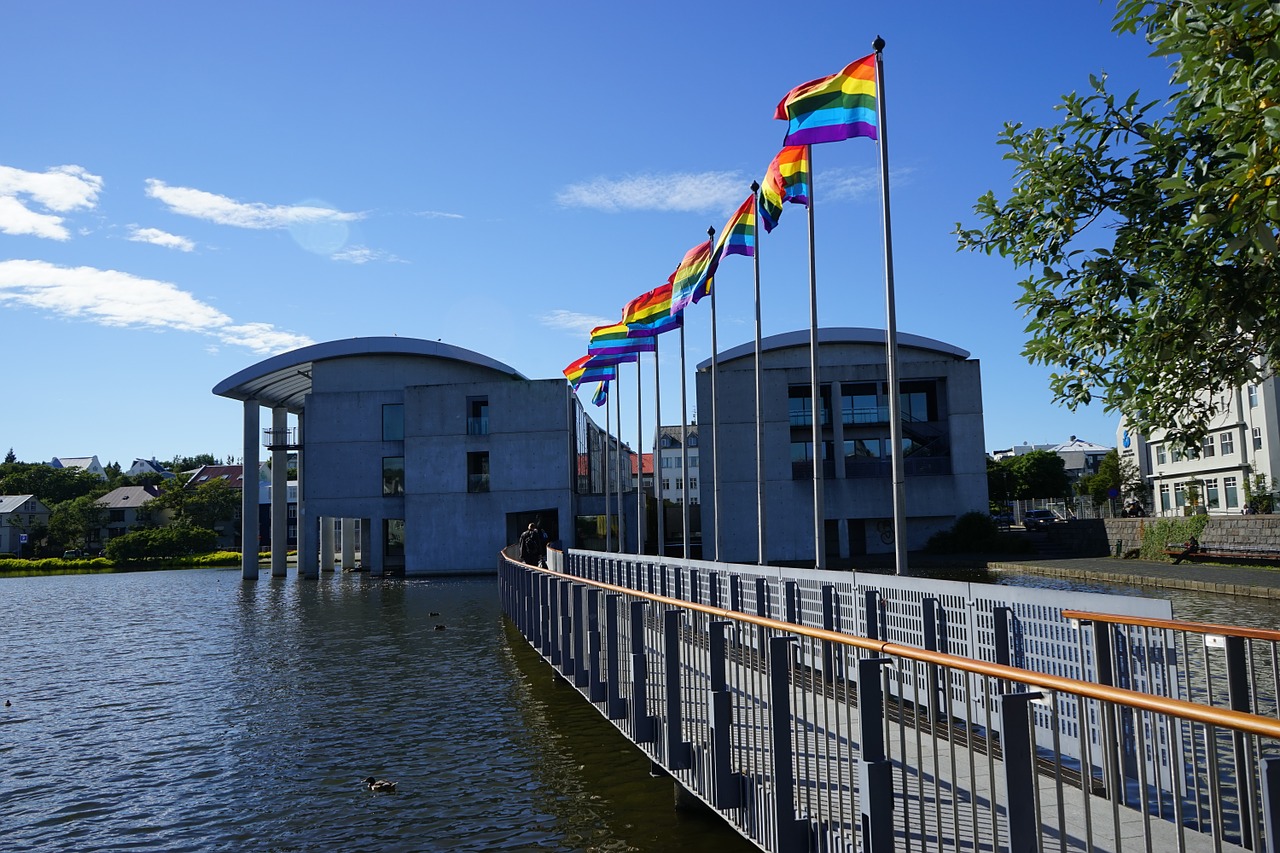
(1204, 714)
(1175, 625)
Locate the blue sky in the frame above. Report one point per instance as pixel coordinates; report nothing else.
(187, 189)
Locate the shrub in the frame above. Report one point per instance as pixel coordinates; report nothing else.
(1161, 531)
(176, 540)
(977, 533)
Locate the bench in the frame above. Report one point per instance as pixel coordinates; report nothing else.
(1222, 552)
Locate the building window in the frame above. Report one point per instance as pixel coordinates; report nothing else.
(1257, 438)
(679, 484)
(1228, 442)
(1229, 489)
(478, 472)
(1207, 447)
(1164, 497)
(693, 482)
(1253, 396)
(392, 475)
(1179, 494)
(1211, 493)
(1161, 456)
(693, 460)
(666, 484)
(693, 440)
(393, 422)
(477, 416)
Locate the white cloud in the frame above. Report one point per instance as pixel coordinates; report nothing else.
(363, 254)
(439, 214)
(226, 211)
(60, 189)
(160, 238)
(118, 299)
(686, 192)
(851, 185)
(571, 321)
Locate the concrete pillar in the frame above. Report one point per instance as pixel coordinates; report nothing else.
(837, 429)
(370, 545)
(326, 543)
(249, 498)
(279, 493)
(348, 543)
(308, 544)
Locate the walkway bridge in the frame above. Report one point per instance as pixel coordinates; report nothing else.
(833, 711)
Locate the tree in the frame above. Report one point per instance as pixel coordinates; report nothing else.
(1038, 474)
(1107, 482)
(1147, 230)
(50, 485)
(205, 506)
(76, 521)
(10, 457)
(187, 463)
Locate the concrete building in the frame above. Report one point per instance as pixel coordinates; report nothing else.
(1243, 446)
(945, 459)
(444, 455)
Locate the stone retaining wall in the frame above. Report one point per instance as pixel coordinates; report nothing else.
(1254, 531)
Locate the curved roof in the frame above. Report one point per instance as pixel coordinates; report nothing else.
(837, 335)
(285, 379)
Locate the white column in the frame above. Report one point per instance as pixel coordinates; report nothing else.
(326, 544)
(279, 493)
(348, 543)
(249, 499)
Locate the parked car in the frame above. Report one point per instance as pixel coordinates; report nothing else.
(1039, 519)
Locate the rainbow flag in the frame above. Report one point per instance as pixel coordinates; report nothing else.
(691, 273)
(650, 313)
(738, 237)
(618, 340)
(586, 369)
(829, 109)
(786, 180)
(602, 394)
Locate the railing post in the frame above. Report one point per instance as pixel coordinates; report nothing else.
(830, 622)
(551, 620)
(735, 593)
(877, 629)
(1112, 777)
(1002, 617)
(875, 770)
(791, 593)
(595, 690)
(679, 751)
(792, 837)
(935, 640)
(1238, 697)
(679, 584)
(581, 673)
(1019, 772)
(566, 628)
(615, 705)
(762, 597)
(713, 589)
(664, 582)
(695, 590)
(726, 787)
(1269, 774)
(641, 722)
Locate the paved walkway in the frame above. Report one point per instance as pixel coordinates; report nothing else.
(1253, 581)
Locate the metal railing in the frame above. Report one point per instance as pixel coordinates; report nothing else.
(807, 738)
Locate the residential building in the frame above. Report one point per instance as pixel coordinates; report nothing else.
(19, 516)
(85, 463)
(148, 466)
(1242, 446)
(642, 481)
(940, 393)
(126, 510)
(442, 454)
(669, 449)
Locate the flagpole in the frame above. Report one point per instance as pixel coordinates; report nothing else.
(760, 537)
(657, 452)
(819, 538)
(641, 520)
(617, 458)
(684, 454)
(608, 528)
(715, 438)
(891, 332)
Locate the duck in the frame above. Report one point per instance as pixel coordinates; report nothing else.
(380, 786)
(441, 627)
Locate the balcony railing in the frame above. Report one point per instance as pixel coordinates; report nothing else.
(281, 439)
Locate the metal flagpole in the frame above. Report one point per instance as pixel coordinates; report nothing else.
(684, 455)
(891, 333)
(657, 453)
(759, 395)
(760, 537)
(617, 458)
(608, 528)
(641, 520)
(715, 438)
(819, 538)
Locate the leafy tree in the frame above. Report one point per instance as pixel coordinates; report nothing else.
(176, 540)
(1147, 229)
(10, 457)
(1038, 474)
(188, 463)
(205, 506)
(1100, 486)
(50, 485)
(76, 521)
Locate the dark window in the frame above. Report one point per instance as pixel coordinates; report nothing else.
(478, 472)
(393, 422)
(477, 416)
(393, 475)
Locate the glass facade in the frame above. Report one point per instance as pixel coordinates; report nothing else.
(478, 472)
(392, 476)
(392, 422)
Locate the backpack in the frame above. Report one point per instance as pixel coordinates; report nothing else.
(529, 541)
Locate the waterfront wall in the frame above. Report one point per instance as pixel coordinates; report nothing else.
(1251, 531)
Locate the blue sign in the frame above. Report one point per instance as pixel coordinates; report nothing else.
(22, 537)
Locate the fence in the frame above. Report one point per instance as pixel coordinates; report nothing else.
(806, 738)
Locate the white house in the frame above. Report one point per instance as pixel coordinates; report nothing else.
(18, 515)
(85, 463)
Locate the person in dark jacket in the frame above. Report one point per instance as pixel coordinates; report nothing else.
(531, 545)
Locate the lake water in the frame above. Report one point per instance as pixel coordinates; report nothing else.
(192, 710)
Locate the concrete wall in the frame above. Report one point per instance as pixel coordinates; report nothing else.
(933, 501)
(1258, 531)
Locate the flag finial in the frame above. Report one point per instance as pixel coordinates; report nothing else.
(878, 44)
(711, 232)
(755, 186)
